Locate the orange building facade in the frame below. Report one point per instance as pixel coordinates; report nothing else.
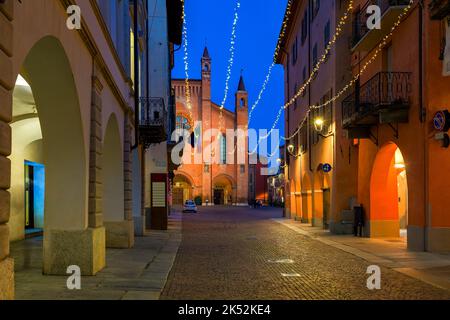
(387, 155)
(215, 171)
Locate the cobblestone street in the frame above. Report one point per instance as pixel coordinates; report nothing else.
(241, 253)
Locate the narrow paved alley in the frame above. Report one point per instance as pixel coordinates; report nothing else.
(242, 253)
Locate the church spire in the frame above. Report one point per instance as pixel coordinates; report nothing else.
(241, 86)
(206, 53)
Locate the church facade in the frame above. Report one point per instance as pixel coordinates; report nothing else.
(214, 170)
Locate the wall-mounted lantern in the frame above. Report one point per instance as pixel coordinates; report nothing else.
(318, 124)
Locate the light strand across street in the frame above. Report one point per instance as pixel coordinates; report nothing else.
(277, 50)
(186, 61)
(380, 46)
(321, 61)
(230, 66)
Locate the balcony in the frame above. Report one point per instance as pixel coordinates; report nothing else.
(365, 39)
(384, 99)
(439, 9)
(153, 121)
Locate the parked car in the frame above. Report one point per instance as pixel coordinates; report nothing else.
(190, 206)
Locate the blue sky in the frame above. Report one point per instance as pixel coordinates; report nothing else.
(210, 22)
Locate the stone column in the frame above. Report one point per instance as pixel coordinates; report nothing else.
(120, 234)
(128, 179)
(95, 157)
(6, 87)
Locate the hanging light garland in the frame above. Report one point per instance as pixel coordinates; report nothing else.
(186, 62)
(277, 50)
(229, 68)
(232, 50)
(379, 48)
(321, 61)
(348, 85)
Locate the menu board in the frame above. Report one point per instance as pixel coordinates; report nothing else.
(158, 194)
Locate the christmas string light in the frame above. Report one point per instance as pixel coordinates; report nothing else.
(380, 46)
(186, 61)
(230, 66)
(232, 50)
(320, 62)
(277, 50)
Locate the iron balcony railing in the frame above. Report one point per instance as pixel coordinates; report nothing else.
(439, 9)
(383, 91)
(153, 111)
(153, 120)
(360, 28)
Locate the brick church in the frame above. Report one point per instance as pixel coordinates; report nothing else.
(217, 174)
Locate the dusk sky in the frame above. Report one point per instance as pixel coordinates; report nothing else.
(257, 32)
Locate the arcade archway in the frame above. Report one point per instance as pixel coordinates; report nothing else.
(113, 194)
(47, 129)
(321, 199)
(388, 193)
(307, 205)
(223, 188)
(182, 189)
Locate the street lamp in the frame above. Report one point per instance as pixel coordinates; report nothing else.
(318, 124)
(290, 148)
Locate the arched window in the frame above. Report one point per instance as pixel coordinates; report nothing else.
(242, 102)
(182, 123)
(223, 149)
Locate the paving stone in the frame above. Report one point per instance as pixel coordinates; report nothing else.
(225, 254)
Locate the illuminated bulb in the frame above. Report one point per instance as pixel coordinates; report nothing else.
(399, 166)
(290, 148)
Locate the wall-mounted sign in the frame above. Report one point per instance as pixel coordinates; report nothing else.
(441, 120)
(326, 167)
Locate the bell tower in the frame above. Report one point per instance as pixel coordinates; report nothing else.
(206, 118)
(242, 97)
(241, 125)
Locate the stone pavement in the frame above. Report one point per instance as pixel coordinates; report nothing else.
(138, 273)
(432, 268)
(242, 253)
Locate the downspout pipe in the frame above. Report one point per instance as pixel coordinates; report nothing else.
(423, 116)
(310, 11)
(136, 75)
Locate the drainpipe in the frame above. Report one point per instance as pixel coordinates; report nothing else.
(288, 90)
(422, 119)
(288, 118)
(309, 87)
(136, 76)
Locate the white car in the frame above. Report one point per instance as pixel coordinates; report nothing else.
(189, 206)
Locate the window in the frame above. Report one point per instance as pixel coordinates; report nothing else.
(303, 134)
(223, 149)
(294, 52)
(182, 123)
(314, 57)
(327, 113)
(304, 27)
(315, 8)
(206, 168)
(315, 113)
(326, 36)
(295, 92)
(304, 80)
(242, 168)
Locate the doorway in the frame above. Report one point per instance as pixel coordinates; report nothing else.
(389, 194)
(326, 207)
(219, 197)
(34, 198)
